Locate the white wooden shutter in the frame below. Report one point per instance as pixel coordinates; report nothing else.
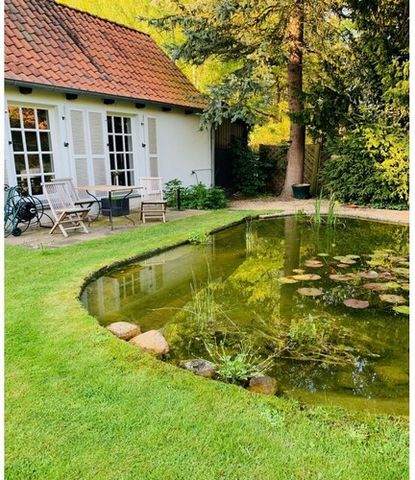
(153, 158)
(79, 147)
(88, 140)
(97, 143)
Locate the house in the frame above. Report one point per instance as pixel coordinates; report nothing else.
(96, 101)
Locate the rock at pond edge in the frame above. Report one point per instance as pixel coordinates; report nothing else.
(124, 330)
(263, 384)
(152, 342)
(201, 367)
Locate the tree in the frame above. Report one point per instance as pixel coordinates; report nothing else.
(259, 39)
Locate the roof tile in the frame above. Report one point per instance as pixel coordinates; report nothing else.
(68, 48)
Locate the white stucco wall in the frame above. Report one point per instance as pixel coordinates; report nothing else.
(182, 147)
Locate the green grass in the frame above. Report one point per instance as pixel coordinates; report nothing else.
(80, 404)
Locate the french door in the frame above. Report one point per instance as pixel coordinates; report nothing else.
(120, 145)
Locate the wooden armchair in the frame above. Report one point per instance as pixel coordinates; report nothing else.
(66, 215)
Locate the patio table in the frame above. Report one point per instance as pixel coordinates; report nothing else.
(110, 189)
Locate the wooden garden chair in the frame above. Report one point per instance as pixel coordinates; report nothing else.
(66, 214)
(92, 203)
(153, 204)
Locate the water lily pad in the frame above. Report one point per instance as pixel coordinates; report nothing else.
(353, 257)
(323, 255)
(355, 303)
(307, 276)
(345, 259)
(370, 274)
(382, 287)
(310, 292)
(287, 280)
(313, 263)
(395, 299)
(298, 270)
(341, 278)
(401, 309)
(401, 271)
(342, 265)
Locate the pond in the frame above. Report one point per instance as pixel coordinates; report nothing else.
(280, 290)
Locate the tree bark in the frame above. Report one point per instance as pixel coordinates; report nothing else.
(295, 40)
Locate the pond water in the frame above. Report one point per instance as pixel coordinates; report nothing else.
(241, 290)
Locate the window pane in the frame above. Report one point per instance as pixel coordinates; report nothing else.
(17, 141)
(117, 125)
(49, 178)
(35, 182)
(109, 124)
(28, 118)
(129, 160)
(14, 117)
(130, 178)
(112, 162)
(120, 161)
(20, 164)
(118, 143)
(43, 119)
(114, 178)
(34, 164)
(31, 142)
(47, 163)
(128, 143)
(121, 179)
(45, 141)
(22, 183)
(127, 125)
(111, 143)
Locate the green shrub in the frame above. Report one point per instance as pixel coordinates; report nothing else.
(197, 196)
(249, 176)
(369, 166)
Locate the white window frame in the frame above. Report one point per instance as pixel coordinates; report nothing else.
(134, 142)
(53, 113)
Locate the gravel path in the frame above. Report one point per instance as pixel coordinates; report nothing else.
(286, 207)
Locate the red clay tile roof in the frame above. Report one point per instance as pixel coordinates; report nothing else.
(51, 44)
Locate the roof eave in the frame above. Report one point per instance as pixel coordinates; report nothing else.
(60, 89)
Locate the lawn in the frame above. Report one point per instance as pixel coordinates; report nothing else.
(81, 404)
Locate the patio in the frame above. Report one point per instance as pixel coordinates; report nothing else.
(38, 237)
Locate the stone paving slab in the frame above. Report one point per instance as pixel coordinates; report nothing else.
(289, 207)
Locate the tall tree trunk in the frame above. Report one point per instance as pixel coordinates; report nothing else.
(295, 38)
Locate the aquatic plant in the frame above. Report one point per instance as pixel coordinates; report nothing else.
(237, 367)
(331, 214)
(311, 338)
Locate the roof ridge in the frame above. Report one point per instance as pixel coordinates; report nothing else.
(59, 4)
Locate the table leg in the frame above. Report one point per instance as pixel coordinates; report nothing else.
(110, 213)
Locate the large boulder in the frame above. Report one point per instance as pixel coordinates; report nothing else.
(200, 367)
(124, 330)
(263, 384)
(151, 342)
